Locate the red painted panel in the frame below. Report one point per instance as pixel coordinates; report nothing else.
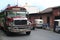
(55, 12)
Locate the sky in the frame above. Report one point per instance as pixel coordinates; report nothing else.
(40, 4)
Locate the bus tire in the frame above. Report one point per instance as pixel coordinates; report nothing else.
(28, 33)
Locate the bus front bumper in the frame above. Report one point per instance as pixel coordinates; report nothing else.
(20, 30)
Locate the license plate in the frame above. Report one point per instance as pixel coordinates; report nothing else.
(22, 29)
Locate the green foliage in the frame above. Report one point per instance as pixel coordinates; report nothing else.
(1, 15)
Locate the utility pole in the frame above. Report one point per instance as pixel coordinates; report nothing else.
(17, 2)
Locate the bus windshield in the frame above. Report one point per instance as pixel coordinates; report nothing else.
(14, 14)
(21, 14)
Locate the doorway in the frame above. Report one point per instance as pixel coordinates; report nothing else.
(48, 21)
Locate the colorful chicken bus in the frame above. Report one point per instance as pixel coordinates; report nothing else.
(13, 20)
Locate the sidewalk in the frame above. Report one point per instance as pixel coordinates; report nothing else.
(0, 35)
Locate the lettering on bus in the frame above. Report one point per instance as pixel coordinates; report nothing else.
(15, 9)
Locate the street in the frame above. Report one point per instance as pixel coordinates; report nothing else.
(37, 34)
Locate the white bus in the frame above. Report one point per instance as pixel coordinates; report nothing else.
(39, 23)
(57, 25)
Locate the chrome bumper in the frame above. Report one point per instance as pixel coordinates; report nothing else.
(20, 30)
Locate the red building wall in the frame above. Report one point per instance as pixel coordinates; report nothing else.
(44, 18)
(55, 12)
(51, 21)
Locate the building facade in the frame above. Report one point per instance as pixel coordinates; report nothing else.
(48, 15)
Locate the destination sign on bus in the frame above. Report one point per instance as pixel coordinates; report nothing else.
(15, 9)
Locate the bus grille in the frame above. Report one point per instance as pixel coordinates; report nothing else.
(20, 22)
